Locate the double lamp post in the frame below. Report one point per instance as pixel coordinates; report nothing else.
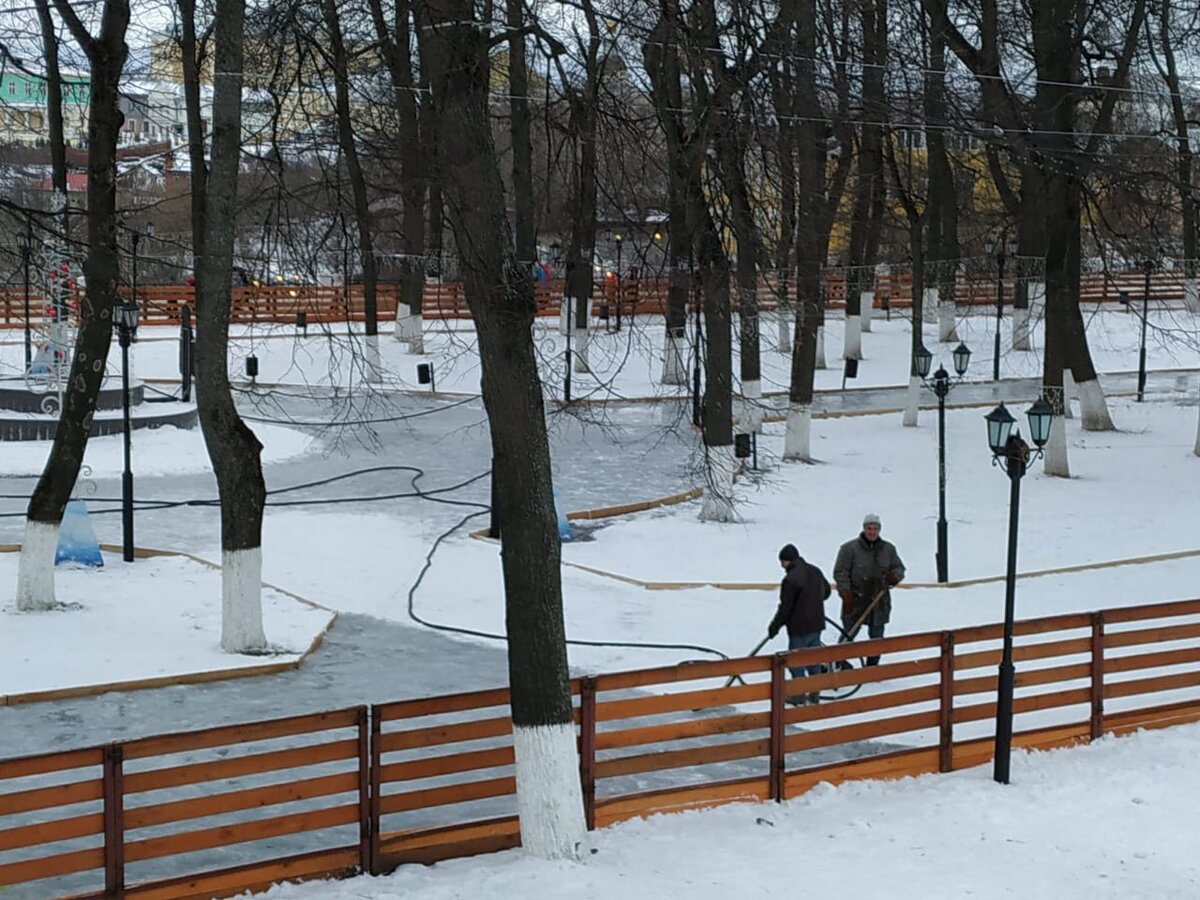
(1014, 455)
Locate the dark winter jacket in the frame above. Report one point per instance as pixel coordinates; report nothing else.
(802, 596)
(861, 567)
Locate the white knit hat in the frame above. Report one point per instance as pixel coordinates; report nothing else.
(871, 519)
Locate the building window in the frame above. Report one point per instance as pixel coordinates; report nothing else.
(29, 89)
(12, 89)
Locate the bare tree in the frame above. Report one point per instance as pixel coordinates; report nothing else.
(106, 53)
(499, 291)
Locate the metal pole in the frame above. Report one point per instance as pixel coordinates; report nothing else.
(567, 375)
(26, 250)
(942, 551)
(1004, 701)
(1141, 390)
(619, 245)
(127, 475)
(999, 315)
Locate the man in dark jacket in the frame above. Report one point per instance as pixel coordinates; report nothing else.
(866, 568)
(801, 610)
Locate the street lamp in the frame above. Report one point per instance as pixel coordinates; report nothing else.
(941, 387)
(1009, 450)
(26, 252)
(127, 322)
(1000, 260)
(1148, 267)
(620, 240)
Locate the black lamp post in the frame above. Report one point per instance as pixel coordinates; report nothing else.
(1000, 260)
(620, 240)
(941, 387)
(127, 322)
(1148, 267)
(26, 252)
(1009, 450)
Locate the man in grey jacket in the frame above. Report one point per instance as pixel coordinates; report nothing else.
(865, 567)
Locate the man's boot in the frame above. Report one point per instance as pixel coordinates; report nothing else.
(872, 660)
(814, 698)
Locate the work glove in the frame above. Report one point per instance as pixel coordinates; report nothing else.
(892, 578)
(847, 596)
(771, 632)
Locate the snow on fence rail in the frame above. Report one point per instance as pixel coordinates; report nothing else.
(235, 808)
(324, 304)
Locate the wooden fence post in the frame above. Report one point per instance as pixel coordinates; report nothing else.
(373, 825)
(778, 756)
(587, 748)
(1097, 718)
(114, 821)
(365, 831)
(946, 705)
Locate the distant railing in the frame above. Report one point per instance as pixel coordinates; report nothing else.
(217, 812)
(324, 304)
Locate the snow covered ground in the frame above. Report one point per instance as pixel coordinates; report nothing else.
(1134, 493)
(1107, 820)
(167, 612)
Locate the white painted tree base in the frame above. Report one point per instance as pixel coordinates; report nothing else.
(549, 796)
(1069, 393)
(1056, 461)
(372, 368)
(407, 325)
(580, 350)
(674, 353)
(1093, 408)
(820, 361)
(1191, 295)
(1020, 319)
(752, 408)
(720, 465)
(912, 402)
(866, 308)
(785, 325)
(241, 601)
(852, 347)
(947, 322)
(929, 303)
(1196, 449)
(797, 438)
(35, 568)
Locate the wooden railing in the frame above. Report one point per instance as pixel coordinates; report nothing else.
(230, 809)
(325, 304)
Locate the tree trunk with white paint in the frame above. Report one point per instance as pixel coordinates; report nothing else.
(233, 449)
(1196, 449)
(1024, 319)
(106, 55)
(1093, 408)
(865, 307)
(499, 292)
(929, 306)
(752, 406)
(1191, 295)
(1068, 393)
(1056, 460)
(720, 466)
(819, 362)
(783, 322)
(797, 438)
(947, 320)
(35, 568)
(371, 363)
(852, 343)
(580, 350)
(674, 354)
(241, 600)
(912, 401)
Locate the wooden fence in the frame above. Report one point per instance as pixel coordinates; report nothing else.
(324, 304)
(230, 809)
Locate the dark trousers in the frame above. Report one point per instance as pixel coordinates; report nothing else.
(874, 632)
